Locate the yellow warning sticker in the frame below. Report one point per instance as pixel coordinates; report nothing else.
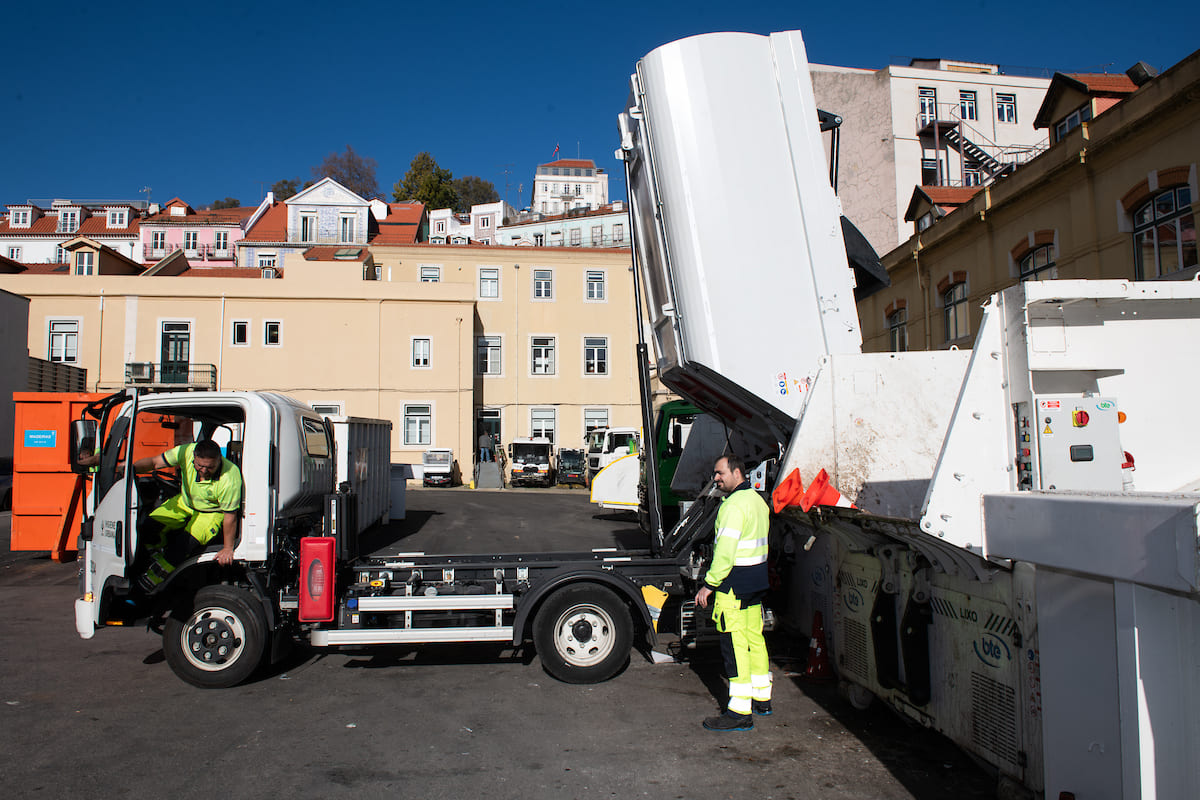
(1047, 431)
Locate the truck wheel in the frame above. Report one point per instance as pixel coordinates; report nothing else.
(583, 634)
(220, 641)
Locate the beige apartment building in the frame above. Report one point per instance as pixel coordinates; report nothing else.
(1113, 197)
(434, 338)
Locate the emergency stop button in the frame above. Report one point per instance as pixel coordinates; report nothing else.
(1079, 418)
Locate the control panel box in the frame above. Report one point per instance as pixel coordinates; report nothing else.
(1074, 442)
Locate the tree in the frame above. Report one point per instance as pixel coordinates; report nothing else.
(472, 191)
(228, 202)
(427, 182)
(355, 172)
(285, 188)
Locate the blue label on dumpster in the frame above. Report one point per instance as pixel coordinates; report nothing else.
(41, 438)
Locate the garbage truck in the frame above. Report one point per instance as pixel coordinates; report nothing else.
(963, 532)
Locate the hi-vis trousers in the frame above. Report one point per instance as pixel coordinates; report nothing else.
(744, 650)
(169, 549)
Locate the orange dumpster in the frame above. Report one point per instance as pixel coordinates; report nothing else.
(47, 497)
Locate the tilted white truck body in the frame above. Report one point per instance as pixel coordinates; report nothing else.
(1009, 579)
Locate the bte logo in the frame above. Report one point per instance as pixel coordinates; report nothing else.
(992, 650)
(853, 599)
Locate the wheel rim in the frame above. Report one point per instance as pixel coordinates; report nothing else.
(584, 635)
(213, 639)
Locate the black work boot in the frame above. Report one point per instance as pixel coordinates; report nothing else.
(761, 707)
(730, 721)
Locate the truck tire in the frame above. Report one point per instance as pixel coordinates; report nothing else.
(583, 633)
(219, 641)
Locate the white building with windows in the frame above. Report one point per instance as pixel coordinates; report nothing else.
(607, 226)
(935, 122)
(479, 225)
(34, 234)
(569, 183)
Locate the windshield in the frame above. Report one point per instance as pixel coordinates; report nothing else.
(531, 452)
(570, 459)
(620, 440)
(595, 441)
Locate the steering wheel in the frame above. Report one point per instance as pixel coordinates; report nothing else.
(166, 481)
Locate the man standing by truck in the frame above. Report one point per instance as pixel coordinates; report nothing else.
(210, 493)
(737, 582)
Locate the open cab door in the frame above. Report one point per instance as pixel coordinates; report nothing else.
(109, 536)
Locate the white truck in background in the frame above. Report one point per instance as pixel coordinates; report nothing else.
(1007, 578)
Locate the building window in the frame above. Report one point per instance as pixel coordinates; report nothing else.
(60, 255)
(241, 333)
(929, 172)
(928, 99)
(418, 425)
(954, 302)
(308, 227)
(489, 282)
(117, 218)
(619, 232)
(595, 284)
(158, 240)
(487, 355)
(541, 422)
(221, 241)
(595, 355)
(972, 174)
(1072, 121)
(1038, 264)
(576, 237)
(68, 221)
(485, 222)
(64, 341)
(85, 263)
(597, 234)
(440, 227)
(578, 190)
(543, 284)
(420, 353)
(1006, 108)
(189, 241)
(14, 253)
(897, 323)
(539, 239)
(273, 333)
(431, 273)
(19, 219)
(542, 355)
(327, 409)
(347, 230)
(1164, 234)
(967, 108)
(594, 418)
(266, 260)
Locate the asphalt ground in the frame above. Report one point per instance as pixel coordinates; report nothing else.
(107, 718)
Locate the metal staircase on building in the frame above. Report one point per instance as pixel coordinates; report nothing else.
(973, 152)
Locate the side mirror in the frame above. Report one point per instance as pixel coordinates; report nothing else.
(84, 448)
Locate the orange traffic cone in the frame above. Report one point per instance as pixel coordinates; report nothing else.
(788, 492)
(820, 493)
(819, 668)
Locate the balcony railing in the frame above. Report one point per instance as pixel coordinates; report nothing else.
(170, 375)
(204, 252)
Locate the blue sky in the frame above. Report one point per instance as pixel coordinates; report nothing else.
(208, 100)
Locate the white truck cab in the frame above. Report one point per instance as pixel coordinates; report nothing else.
(606, 445)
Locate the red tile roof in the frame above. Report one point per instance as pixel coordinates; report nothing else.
(402, 225)
(1104, 83)
(271, 226)
(945, 198)
(215, 216)
(221, 272)
(571, 162)
(92, 226)
(329, 252)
